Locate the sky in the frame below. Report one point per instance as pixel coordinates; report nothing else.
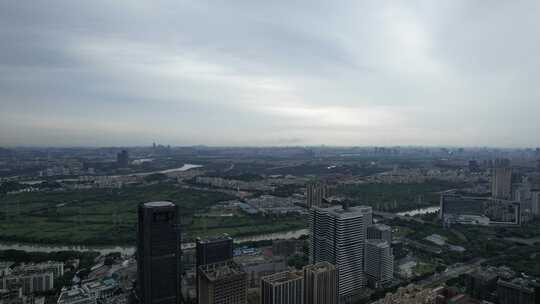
(273, 73)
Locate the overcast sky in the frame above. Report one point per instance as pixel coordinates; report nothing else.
(95, 73)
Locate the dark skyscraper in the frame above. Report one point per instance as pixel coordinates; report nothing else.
(158, 253)
(122, 159)
(213, 250)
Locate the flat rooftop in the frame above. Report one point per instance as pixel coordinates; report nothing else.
(218, 271)
(158, 204)
(350, 211)
(224, 237)
(321, 267)
(382, 227)
(378, 243)
(283, 277)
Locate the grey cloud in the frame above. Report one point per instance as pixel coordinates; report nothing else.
(274, 72)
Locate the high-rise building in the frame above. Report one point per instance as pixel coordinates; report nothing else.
(213, 250)
(481, 284)
(518, 291)
(380, 232)
(535, 202)
(122, 159)
(338, 235)
(379, 262)
(501, 179)
(320, 284)
(315, 193)
(283, 288)
(158, 253)
(222, 283)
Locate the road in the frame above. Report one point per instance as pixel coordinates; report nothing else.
(452, 272)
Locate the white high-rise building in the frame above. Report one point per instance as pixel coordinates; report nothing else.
(379, 262)
(338, 236)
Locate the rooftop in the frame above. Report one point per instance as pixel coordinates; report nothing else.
(283, 277)
(344, 212)
(218, 271)
(224, 237)
(382, 227)
(378, 243)
(158, 204)
(320, 267)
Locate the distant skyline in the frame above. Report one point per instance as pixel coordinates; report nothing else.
(269, 73)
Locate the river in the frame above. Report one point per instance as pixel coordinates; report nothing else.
(128, 250)
(185, 167)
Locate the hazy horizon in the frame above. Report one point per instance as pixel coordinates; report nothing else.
(353, 73)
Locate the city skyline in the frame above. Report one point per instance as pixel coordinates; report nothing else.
(269, 74)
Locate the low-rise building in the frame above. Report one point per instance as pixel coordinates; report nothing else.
(76, 295)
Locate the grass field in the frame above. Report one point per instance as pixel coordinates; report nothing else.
(108, 216)
(397, 197)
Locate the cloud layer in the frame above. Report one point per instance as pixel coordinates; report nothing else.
(269, 73)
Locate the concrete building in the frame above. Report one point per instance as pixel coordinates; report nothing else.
(57, 268)
(518, 291)
(122, 159)
(320, 284)
(501, 180)
(380, 232)
(213, 250)
(5, 268)
(75, 295)
(315, 193)
(158, 253)
(535, 202)
(283, 288)
(478, 210)
(222, 283)
(379, 263)
(286, 247)
(481, 284)
(338, 235)
(15, 296)
(30, 282)
(102, 291)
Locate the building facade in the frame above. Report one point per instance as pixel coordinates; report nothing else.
(320, 284)
(283, 288)
(338, 237)
(158, 253)
(222, 283)
(501, 180)
(315, 193)
(380, 232)
(212, 250)
(517, 291)
(379, 262)
(535, 202)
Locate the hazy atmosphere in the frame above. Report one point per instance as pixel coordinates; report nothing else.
(101, 73)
